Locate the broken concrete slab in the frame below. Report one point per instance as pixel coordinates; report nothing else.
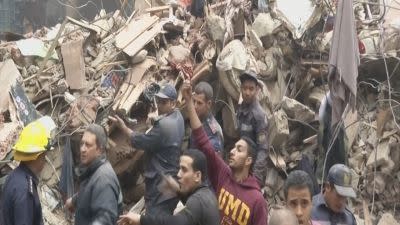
(140, 57)
(137, 34)
(352, 127)
(380, 184)
(264, 25)
(388, 219)
(279, 128)
(8, 135)
(296, 110)
(317, 94)
(216, 27)
(382, 155)
(8, 77)
(34, 47)
(74, 64)
(179, 54)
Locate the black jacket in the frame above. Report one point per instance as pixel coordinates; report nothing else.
(99, 200)
(201, 208)
(20, 203)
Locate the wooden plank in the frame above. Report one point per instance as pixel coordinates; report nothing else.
(82, 24)
(129, 92)
(8, 77)
(133, 94)
(157, 9)
(74, 64)
(134, 29)
(367, 216)
(138, 44)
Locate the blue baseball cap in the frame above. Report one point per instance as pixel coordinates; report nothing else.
(167, 91)
(341, 176)
(250, 75)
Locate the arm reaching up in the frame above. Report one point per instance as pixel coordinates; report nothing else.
(187, 95)
(217, 169)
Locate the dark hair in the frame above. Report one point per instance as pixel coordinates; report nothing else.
(100, 133)
(251, 149)
(204, 88)
(298, 179)
(199, 161)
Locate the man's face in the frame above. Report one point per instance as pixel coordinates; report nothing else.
(299, 201)
(239, 157)
(89, 150)
(249, 90)
(188, 178)
(164, 105)
(201, 105)
(335, 202)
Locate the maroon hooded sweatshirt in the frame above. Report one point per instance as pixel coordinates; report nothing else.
(239, 203)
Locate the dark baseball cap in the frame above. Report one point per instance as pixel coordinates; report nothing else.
(341, 176)
(250, 75)
(167, 91)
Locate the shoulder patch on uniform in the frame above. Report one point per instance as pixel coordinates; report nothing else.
(30, 183)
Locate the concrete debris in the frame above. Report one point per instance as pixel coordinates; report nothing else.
(296, 110)
(216, 27)
(74, 64)
(8, 135)
(388, 219)
(279, 128)
(381, 154)
(264, 25)
(8, 77)
(81, 72)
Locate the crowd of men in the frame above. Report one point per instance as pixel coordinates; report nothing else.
(215, 186)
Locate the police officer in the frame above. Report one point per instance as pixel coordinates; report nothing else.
(202, 99)
(162, 147)
(329, 207)
(20, 203)
(252, 121)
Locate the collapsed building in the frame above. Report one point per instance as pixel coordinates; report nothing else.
(80, 72)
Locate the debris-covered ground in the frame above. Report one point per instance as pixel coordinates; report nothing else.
(80, 72)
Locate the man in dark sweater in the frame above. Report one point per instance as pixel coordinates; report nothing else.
(200, 203)
(239, 196)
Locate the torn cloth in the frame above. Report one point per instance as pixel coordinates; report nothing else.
(343, 60)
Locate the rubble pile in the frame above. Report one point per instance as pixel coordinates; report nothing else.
(80, 72)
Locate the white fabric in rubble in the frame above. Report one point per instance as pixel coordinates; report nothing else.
(234, 55)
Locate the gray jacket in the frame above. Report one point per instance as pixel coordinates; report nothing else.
(322, 214)
(99, 200)
(162, 147)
